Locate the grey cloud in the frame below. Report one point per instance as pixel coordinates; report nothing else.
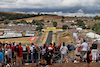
(52, 6)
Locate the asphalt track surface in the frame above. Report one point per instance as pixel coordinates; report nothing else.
(49, 38)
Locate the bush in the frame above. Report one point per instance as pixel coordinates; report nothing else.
(64, 27)
(54, 24)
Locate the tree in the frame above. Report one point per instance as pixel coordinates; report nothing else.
(6, 21)
(64, 27)
(54, 24)
(72, 24)
(96, 17)
(62, 20)
(23, 21)
(42, 20)
(29, 23)
(39, 28)
(81, 23)
(75, 16)
(96, 27)
(33, 22)
(63, 17)
(39, 14)
(14, 22)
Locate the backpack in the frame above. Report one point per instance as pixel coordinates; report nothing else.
(34, 50)
(47, 55)
(79, 49)
(43, 51)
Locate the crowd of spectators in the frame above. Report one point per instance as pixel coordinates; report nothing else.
(12, 54)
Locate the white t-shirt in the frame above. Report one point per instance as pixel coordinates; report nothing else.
(31, 48)
(85, 46)
(63, 49)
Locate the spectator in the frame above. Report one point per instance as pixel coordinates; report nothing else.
(0, 43)
(33, 54)
(89, 55)
(79, 41)
(31, 50)
(84, 50)
(77, 52)
(20, 54)
(9, 56)
(7, 46)
(14, 44)
(59, 45)
(54, 45)
(94, 51)
(10, 44)
(49, 55)
(36, 54)
(1, 58)
(63, 50)
(52, 50)
(1, 47)
(68, 46)
(71, 46)
(6, 43)
(43, 52)
(13, 54)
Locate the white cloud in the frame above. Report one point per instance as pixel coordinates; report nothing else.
(80, 13)
(46, 3)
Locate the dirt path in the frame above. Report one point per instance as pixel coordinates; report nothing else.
(69, 65)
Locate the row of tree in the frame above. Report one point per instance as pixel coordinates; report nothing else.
(4, 16)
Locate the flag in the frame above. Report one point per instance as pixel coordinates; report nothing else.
(32, 39)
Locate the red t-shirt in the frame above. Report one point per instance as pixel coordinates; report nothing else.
(13, 48)
(7, 46)
(59, 45)
(20, 51)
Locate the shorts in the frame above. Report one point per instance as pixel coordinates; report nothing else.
(88, 61)
(13, 55)
(83, 53)
(20, 57)
(48, 61)
(42, 57)
(34, 57)
(9, 61)
(63, 54)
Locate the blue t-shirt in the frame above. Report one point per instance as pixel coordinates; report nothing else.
(1, 56)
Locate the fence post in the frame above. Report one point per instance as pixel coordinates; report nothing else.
(38, 55)
(27, 56)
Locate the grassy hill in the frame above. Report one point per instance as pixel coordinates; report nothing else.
(29, 17)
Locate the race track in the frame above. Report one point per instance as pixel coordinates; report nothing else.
(49, 38)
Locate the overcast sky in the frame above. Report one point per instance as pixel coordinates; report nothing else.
(59, 7)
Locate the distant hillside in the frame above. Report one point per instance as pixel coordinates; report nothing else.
(13, 13)
(14, 16)
(56, 18)
(29, 17)
(46, 18)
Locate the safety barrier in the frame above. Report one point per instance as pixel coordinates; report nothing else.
(27, 56)
(56, 56)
